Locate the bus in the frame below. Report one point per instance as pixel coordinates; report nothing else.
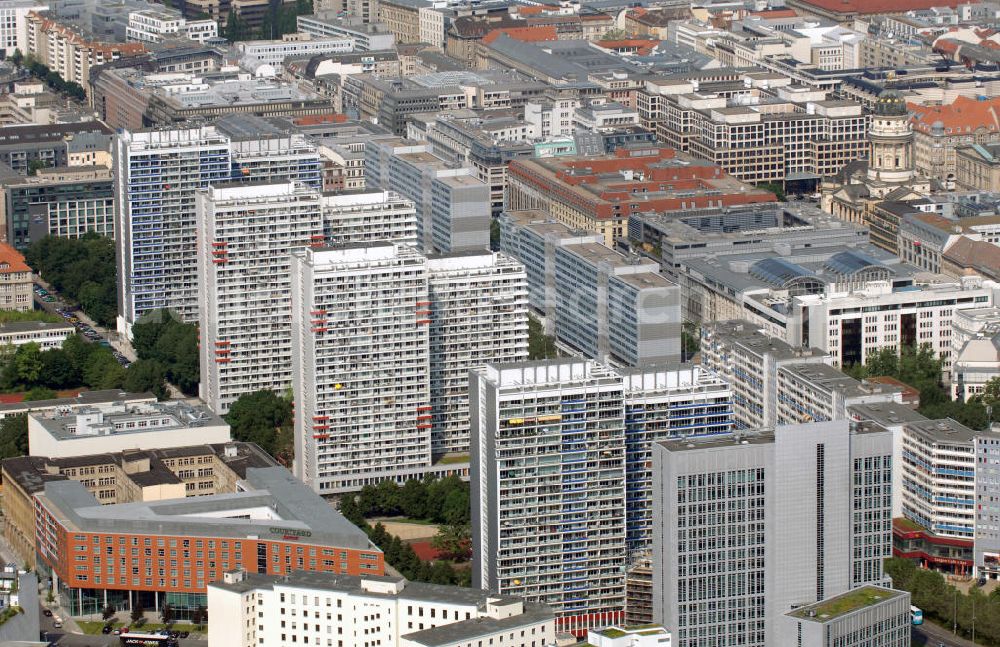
(916, 616)
(132, 639)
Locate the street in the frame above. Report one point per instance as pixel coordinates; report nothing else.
(937, 636)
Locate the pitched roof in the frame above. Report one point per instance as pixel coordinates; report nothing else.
(975, 255)
(11, 260)
(963, 114)
(535, 34)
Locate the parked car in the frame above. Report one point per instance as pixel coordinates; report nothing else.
(184, 634)
(106, 629)
(47, 613)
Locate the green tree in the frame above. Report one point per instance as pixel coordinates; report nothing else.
(36, 393)
(102, 371)
(256, 417)
(167, 613)
(17, 58)
(198, 616)
(83, 270)
(453, 541)
(146, 375)
(36, 165)
(28, 360)
(58, 369)
(14, 436)
(690, 341)
(137, 613)
(776, 189)
(108, 613)
(540, 345)
(160, 335)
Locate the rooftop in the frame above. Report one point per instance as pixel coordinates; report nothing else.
(846, 603)
(70, 423)
(11, 260)
(105, 396)
(467, 630)
(277, 503)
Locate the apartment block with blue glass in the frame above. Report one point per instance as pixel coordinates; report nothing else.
(665, 403)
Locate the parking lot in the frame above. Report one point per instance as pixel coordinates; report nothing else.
(48, 300)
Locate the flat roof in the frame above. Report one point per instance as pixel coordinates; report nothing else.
(93, 422)
(104, 396)
(757, 437)
(840, 605)
(944, 430)
(886, 414)
(33, 326)
(291, 509)
(468, 630)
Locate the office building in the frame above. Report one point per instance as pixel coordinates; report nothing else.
(625, 636)
(254, 53)
(14, 18)
(548, 487)
(67, 202)
(871, 615)
(80, 431)
(45, 335)
(153, 26)
(817, 392)
(807, 517)
(478, 315)
(367, 36)
(273, 524)
(387, 610)
(453, 205)
(246, 233)
(133, 475)
(975, 343)
(986, 545)
(662, 403)
(600, 194)
(601, 303)
(360, 365)
(15, 277)
(51, 144)
(369, 217)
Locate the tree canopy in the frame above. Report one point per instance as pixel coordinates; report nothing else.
(265, 418)
(82, 269)
(161, 337)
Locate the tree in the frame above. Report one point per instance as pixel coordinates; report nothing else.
(198, 616)
(28, 360)
(167, 613)
(776, 189)
(17, 58)
(690, 341)
(36, 165)
(146, 375)
(82, 269)
(14, 436)
(102, 371)
(108, 613)
(453, 541)
(137, 613)
(36, 393)
(58, 370)
(540, 345)
(256, 417)
(160, 335)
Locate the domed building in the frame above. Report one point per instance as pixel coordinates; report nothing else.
(888, 174)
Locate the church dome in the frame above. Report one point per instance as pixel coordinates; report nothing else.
(890, 103)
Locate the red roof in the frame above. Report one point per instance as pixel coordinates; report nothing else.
(642, 46)
(12, 260)
(962, 114)
(529, 11)
(879, 6)
(313, 120)
(535, 34)
(424, 550)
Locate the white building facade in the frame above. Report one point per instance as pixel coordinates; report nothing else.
(478, 311)
(246, 234)
(360, 365)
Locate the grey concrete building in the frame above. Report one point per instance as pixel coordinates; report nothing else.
(453, 205)
(754, 525)
(606, 305)
(871, 615)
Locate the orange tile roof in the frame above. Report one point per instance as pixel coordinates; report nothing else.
(963, 114)
(530, 11)
(12, 260)
(313, 120)
(642, 46)
(976, 256)
(535, 34)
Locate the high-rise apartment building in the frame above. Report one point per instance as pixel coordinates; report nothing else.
(156, 175)
(751, 525)
(360, 364)
(986, 548)
(660, 404)
(479, 314)
(371, 216)
(548, 487)
(246, 233)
